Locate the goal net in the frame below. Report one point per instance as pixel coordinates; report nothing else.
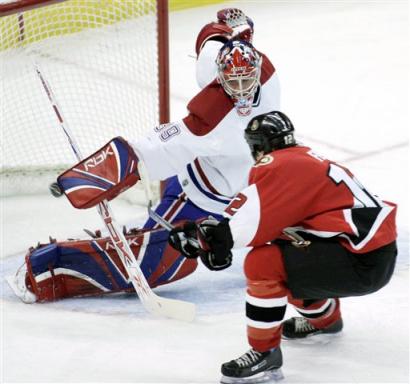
(102, 61)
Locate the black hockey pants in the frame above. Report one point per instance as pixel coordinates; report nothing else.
(326, 269)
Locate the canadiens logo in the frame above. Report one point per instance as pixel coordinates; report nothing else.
(167, 131)
(267, 159)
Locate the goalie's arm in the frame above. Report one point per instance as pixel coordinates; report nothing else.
(102, 176)
(167, 149)
(114, 167)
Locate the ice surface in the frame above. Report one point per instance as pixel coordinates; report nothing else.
(344, 73)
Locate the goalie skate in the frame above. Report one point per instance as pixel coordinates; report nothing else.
(18, 284)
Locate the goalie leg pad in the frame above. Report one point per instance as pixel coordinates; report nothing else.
(76, 268)
(92, 267)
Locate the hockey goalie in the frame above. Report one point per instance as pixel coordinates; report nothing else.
(193, 155)
(89, 267)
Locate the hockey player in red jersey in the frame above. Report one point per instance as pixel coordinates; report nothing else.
(316, 235)
(194, 155)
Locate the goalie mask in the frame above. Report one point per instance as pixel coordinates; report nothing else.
(268, 132)
(239, 71)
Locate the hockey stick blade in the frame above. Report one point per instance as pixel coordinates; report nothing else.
(172, 308)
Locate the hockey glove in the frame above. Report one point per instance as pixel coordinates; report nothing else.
(215, 240)
(232, 24)
(183, 239)
(101, 176)
(212, 31)
(242, 25)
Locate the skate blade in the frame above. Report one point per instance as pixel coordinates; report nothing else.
(319, 338)
(263, 377)
(22, 293)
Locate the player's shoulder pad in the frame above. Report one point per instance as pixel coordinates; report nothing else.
(267, 69)
(207, 109)
(290, 161)
(264, 167)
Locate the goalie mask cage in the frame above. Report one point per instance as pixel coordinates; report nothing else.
(107, 64)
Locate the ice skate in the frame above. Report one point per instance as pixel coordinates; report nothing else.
(253, 367)
(300, 328)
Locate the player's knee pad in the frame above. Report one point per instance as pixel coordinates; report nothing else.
(265, 263)
(92, 267)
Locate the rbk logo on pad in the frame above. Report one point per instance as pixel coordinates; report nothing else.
(103, 175)
(98, 159)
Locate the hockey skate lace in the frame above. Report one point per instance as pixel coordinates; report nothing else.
(302, 325)
(248, 358)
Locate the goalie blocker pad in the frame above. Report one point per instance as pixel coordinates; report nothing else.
(76, 268)
(102, 176)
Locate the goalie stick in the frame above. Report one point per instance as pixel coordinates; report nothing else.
(167, 225)
(158, 218)
(175, 309)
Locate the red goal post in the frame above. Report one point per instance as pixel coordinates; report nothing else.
(107, 62)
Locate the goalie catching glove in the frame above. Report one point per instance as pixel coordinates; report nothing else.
(231, 23)
(209, 239)
(102, 176)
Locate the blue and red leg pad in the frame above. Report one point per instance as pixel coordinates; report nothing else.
(92, 267)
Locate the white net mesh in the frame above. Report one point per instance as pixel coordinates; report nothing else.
(100, 59)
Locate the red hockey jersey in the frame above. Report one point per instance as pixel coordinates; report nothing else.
(295, 188)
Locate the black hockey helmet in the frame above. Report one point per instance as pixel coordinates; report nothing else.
(270, 131)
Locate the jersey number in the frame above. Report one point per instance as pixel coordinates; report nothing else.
(361, 196)
(236, 203)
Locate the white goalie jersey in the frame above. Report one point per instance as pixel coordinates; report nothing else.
(207, 149)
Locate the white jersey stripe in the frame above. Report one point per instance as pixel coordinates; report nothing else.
(262, 324)
(378, 222)
(266, 303)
